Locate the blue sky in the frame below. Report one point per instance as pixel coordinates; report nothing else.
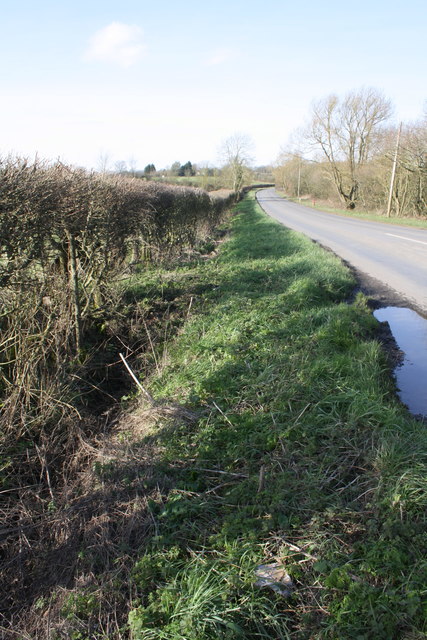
(155, 82)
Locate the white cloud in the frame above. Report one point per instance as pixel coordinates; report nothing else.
(220, 56)
(118, 43)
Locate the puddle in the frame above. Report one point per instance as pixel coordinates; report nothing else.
(410, 332)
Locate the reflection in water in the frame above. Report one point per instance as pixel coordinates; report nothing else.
(410, 332)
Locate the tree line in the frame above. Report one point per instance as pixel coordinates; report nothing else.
(235, 170)
(347, 151)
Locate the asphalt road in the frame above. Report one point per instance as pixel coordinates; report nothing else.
(394, 255)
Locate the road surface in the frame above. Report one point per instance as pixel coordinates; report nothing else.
(394, 255)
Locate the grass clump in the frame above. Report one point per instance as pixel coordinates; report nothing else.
(203, 598)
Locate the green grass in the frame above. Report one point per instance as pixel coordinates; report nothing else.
(292, 447)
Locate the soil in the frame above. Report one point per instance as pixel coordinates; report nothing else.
(380, 295)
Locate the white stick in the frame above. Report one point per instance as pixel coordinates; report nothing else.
(151, 399)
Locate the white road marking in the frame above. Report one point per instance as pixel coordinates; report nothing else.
(404, 238)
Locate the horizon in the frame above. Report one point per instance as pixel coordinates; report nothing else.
(144, 84)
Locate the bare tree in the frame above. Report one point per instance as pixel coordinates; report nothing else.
(120, 167)
(346, 132)
(236, 154)
(410, 192)
(103, 162)
(132, 164)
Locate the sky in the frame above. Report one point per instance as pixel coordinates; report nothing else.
(98, 82)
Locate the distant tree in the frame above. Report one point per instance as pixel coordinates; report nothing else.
(103, 162)
(263, 173)
(149, 169)
(175, 168)
(186, 170)
(120, 166)
(132, 165)
(235, 152)
(346, 132)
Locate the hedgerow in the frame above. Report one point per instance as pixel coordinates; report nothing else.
(68, 237)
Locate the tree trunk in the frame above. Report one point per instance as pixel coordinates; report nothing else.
(74, 286)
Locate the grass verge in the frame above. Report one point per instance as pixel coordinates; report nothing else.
(275, 437)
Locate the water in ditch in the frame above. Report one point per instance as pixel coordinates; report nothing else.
(409, 330)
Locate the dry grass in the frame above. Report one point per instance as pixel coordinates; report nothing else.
(88, 534)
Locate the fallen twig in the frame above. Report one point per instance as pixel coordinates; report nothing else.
(133, 376)
(222, 412)
(228, 473)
